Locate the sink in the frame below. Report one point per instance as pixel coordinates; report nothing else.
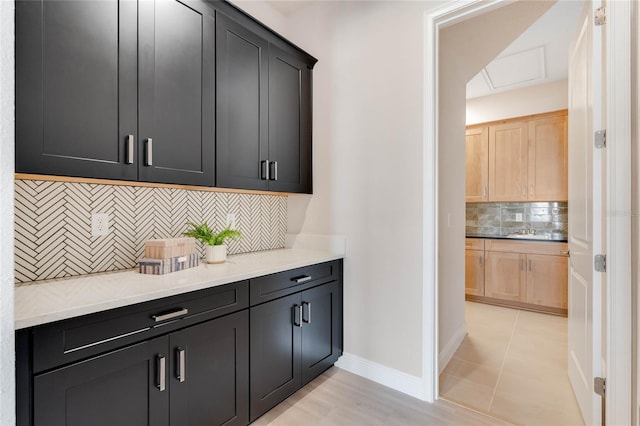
(530, 236)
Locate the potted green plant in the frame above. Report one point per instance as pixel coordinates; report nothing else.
(215, 247)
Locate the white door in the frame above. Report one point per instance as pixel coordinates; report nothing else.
(586, 199)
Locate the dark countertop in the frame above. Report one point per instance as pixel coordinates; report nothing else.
(504, 237)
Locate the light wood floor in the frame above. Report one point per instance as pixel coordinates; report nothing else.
(338, 397)
(513, 365)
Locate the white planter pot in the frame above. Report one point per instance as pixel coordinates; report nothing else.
(216, 254)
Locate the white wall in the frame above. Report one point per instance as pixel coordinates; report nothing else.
(547, 97)
(7, 83)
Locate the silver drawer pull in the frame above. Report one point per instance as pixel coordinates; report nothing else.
(302, 279)
(129, 159)
(161, 377)
(169, 315)
(181, 373)
(149, 160)
(308, 317)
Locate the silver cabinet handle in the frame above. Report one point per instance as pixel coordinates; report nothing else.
(480, 260)
(148, 161)
(168, 315)
(274, 175)
(264, 170)
(181, 374)
(297, 315)
(484, 191)
(529, 265)
(161, 377)
(521, 264)
(566, 252)
(308, 305)
(302, 279)
(129, 159)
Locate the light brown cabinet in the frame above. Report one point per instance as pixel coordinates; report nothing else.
(474, 267)
(505, 276)
(548, 159)
(523, 159)
(508, 161)
(524, 274)
(477, 164)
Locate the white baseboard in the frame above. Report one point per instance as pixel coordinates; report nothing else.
(387, 376)
(451, 347)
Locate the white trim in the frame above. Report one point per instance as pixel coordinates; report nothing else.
(618, 105)
(390, 377)
(451, 347)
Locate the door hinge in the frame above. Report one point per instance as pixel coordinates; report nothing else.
(600, 262)
(600, 139)
(600, 16)
(599, 385)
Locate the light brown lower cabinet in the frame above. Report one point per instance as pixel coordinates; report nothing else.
(529, 275)
(474, 272)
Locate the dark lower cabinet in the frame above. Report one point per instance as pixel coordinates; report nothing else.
(118, 388)
(196, 376)
(293, 340)
(209, 372)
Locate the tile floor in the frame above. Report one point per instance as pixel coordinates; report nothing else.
(513, 365)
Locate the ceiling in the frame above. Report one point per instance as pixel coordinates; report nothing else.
(540, 55)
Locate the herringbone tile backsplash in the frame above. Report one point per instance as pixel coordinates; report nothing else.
(53, 224)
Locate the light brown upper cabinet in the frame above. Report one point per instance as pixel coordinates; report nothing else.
(548, 162)
(477, 164)
(521, 159)
(508, 145)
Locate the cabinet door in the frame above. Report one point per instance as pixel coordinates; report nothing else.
(474, 272)
(321, 329)
(275, 352)
(547, 280)
(76, 85)
(505, 276)
(477, 165)
(118, 388)
(177, 83)
(508, 162)
(209, 372)
(242, 60)
(289, 122)
(548, 159)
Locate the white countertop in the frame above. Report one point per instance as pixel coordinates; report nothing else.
(53, 300)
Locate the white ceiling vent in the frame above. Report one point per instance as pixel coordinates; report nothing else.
(519, 68)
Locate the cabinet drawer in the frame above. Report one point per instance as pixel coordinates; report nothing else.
(281, 284)
(474, 243)
(532, 247)
(70, 340)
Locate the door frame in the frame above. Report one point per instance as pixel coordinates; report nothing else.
(618, 198)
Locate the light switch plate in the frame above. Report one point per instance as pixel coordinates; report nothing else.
(518, 217)
(231, 220)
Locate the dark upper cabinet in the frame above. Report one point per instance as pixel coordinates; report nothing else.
(263, 112)
(183, 92)
(76, 88)
(289, 122)
(176, 92)
(116, 89)
(242, 61)
(118, 388)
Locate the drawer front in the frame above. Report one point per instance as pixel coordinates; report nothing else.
(474, 243)
(273, 286)
(527, 247)
(70, 340)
